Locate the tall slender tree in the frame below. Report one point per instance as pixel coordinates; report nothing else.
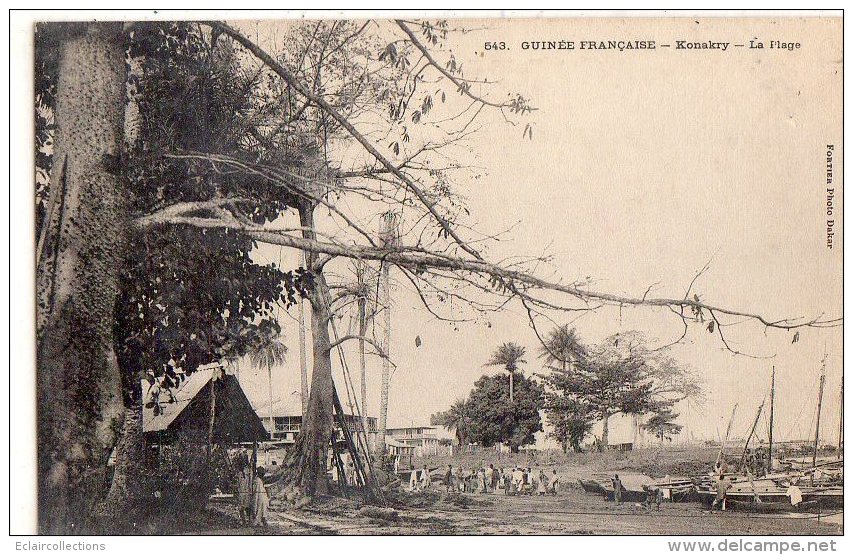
(509, 356)
(569, 419)
(269, 351)
(561, 347)
(456, 418)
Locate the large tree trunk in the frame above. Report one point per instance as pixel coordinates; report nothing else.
(78, 384)
(123, 502)
(307, 462)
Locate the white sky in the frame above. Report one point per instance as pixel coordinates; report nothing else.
(643, 166)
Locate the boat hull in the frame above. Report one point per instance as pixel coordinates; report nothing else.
(592, 486)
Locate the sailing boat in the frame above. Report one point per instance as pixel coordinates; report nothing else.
(826, 487)
(782, 491)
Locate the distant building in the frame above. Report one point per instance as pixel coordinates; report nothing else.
(424, 439)
(286, 422)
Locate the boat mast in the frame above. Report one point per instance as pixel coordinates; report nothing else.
(728, 431)
(751, 432)
(841, 420)
(819, 403)
(770, 441)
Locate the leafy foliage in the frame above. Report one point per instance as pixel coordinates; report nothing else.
(662, 425)
(187, 471)
(508, 355)
(570, 420)
(192, 295)
(456, 418)
(619, 376)
(188, 296)
(561, 346)
(268, 351)
(493, 419)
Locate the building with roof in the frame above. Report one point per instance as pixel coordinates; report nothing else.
(185, 411)
(285, 420)
(424, 439)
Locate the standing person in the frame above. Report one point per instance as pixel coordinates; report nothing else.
(658, 498)
(481, 480)
(448, 478)
(617, 489)
(490, 477)
(463, 480)
(413, 480)
(530, 480)
(507, 483)
(261, 501)
(542, 487)
(348, 470)
(426, 481)
(244, 488)
(552, 485)
(723, 486)
(518, 479)
(794, 493)
(651, 495)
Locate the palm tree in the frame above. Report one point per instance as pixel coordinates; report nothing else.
(562, 346)
(456, 418)
(509, 355)
(269, 351)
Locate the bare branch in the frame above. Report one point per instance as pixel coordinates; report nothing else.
(297, 85)
(418, 259)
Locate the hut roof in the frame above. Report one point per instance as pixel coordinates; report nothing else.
(188, 406)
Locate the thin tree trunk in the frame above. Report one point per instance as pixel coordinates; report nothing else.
(269, 379)
(389, 239)
(605, 432)
(211, 417)
(303, 358)
(511, 386)
(362, 362)
(79, 402)
(386, 363)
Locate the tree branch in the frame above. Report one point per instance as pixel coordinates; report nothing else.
(416, 259)
(297, 85)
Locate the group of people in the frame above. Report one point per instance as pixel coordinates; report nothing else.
(346, 475)
(488, 479)
(252, 498)
(654, 495)
(753, 461)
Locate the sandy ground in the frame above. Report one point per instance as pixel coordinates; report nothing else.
(572, 511)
